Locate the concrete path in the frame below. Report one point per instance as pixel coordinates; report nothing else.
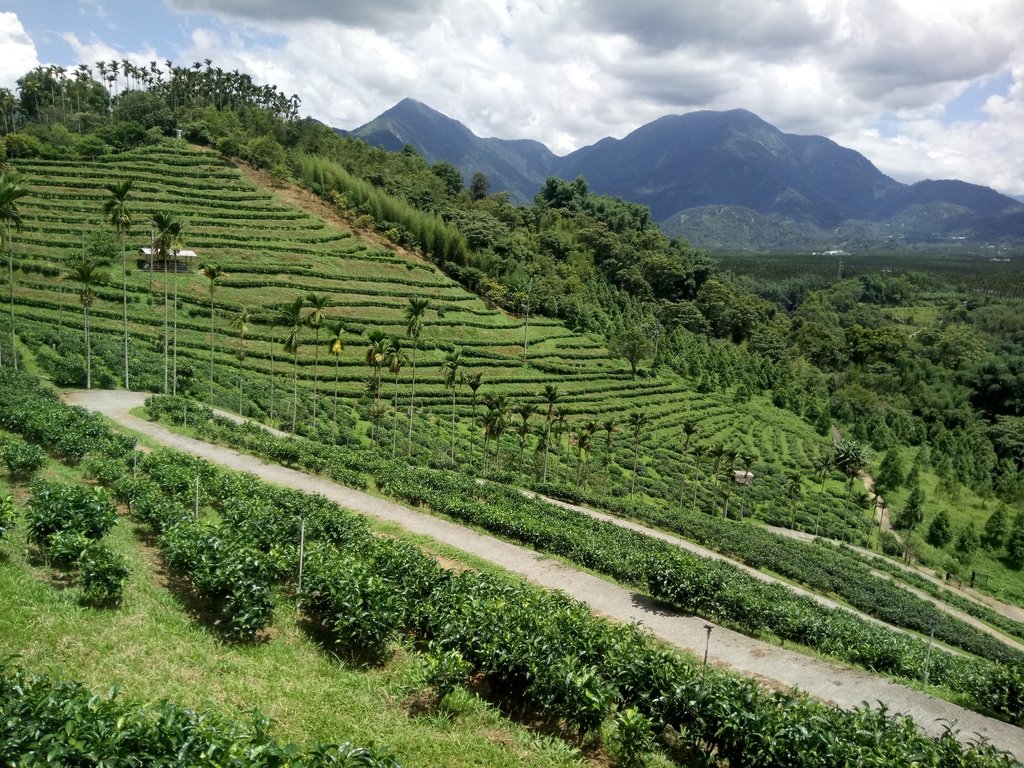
(774, 666)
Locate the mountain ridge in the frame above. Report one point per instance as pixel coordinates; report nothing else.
(719, 164)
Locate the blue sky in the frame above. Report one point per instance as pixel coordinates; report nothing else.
(924, 88)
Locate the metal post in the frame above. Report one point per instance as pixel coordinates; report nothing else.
(707, 642)
(135, 464)
(928, 654)
(197, 497)
(184, 415)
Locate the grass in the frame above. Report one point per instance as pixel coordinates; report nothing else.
(150, 649)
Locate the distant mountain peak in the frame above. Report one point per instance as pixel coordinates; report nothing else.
(715, 163)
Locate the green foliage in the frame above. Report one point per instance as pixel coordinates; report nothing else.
(1015, 544)
(101, 574)
(63, 723)
(22, 459)
(940, 532)
(996, 528)
(61, 508)
(912, 513)
(967, 543)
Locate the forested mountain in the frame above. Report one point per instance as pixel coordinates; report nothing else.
(518, 167)
(724, 179)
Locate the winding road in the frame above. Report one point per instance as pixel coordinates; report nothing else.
(769, 663)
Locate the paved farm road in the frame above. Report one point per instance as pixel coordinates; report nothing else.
(769, 663)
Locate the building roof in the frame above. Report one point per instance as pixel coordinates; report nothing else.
(183, 253)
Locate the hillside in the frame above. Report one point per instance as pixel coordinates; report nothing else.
(272, 253)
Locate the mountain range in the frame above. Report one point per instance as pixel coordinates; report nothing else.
(724, 180)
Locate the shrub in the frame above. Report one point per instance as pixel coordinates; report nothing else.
(7, 518)
(58, 508)
(101, 575)
(890, 544)
(23, 459)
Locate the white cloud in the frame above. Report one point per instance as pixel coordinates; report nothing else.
(569, 72)
(19, 52)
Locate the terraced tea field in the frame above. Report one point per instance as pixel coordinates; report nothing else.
(271, 253)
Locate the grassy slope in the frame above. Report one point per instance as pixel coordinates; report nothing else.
(150, 649)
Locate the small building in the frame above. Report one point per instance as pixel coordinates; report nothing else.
(181, 262)
(741, 477)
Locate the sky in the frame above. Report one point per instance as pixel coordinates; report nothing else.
(923, 88)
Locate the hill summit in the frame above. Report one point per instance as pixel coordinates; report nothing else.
(723, 179)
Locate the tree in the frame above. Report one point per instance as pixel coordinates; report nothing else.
(912, 513)
(376, 354)
(822, 467)
(631, 343)
(87, 273)
(395, 358)
(637, 424)
(240, 323)
(168, 231)
(699, 452)
(415, 314)
(967, 543)
(336, 345)
(473, 381)
(212, 272)
(1015, 544)
(891, 474)
(495, 421)
(610, 427)
(525, 411)
(551, 395)
(292, 316)
(851, 458)
(994, 532)
(479, 186)
(12, 189)
(689, 430)
(793, 492)
(940, 532)
(318, 303)
(451, 369)
(116, 209)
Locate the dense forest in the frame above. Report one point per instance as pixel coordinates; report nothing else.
(921, 363)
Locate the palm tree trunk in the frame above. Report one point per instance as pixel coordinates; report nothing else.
(273, 341)
(295, 389)
(696, 485)
(547, 442)
(240, 375)
(124, 297)
(174, 365)
(88, 348)
(211, 345)
(453, 424)
(412, 399)
(10, 278)
(167, 346)
(335, 414)
(394, 423)
(632, 482)
(316, 373)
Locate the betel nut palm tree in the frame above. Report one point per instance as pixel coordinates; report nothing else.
(12, 189)
(415, 315)
(116, 209)
(240, 321)
(291, 314)
(316, 318)
(87, 273)
(451, 368)
(213, 273)
(336, 345)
